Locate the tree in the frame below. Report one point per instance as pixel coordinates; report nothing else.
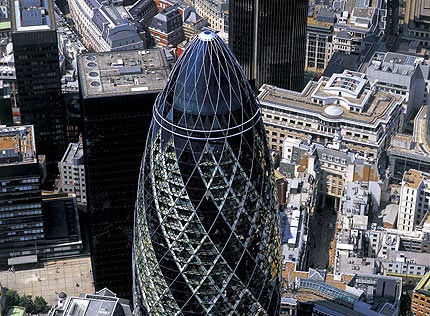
(11, 298)
(27, 302)
(405, 305)
(40, 304)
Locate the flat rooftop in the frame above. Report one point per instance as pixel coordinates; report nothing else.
(17, 144)
(316, 23)
(354, 265)
(290, 274)
(377, 105)
(32, 15)
(93, 307)
(419, 258)
(127, 72)
(365, 172)
(395, 63)
(413, 178)
(364, 13)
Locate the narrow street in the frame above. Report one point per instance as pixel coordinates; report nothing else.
(322, 230)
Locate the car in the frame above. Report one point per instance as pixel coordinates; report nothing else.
(330, 226)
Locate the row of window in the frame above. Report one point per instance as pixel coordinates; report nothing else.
(313, 118)
(18, 214)
(20, 207)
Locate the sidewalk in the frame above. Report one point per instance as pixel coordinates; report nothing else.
(72, 276)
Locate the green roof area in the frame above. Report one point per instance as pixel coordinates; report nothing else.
(16, 311)
(424, 284)
(4, 25)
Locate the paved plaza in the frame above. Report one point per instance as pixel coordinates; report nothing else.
(72, 276)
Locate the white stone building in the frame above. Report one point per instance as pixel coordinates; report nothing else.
(72, 172)
(216, 12)
(104, 27)
(365, 115)
(414, 199)
(401, 74)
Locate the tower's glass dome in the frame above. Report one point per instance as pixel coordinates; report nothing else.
(207, 95)
(206, 228)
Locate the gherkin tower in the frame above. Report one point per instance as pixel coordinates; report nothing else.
(206, 238)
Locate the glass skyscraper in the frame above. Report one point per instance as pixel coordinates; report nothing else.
(206, 223)
(38, 78)
(268, 38)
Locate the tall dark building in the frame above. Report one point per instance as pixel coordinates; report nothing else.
(21, 215)
(32, 227)
(118, 92)
(38, 75)
(6, 117)
(206, 229)
(268, 38)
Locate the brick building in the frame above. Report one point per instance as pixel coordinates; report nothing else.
(420, 305)
(166, 27)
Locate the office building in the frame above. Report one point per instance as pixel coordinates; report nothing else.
(216, 12)
(359, 27)
(20, 196)
(6, 117)
(102, 303)
(70, 46)
(269, 40)
(118, 92)
(193, 25)
(166, 27)
(319, 38)
(401, 74)
(346, 27)
(317, 292)
(143, 11)
(31, 225)
(40, 101)
(62, 227)
(352, 180)
(366, 116)
(420, 305)
(207, 227)
(414, 199)
(105, 27)
(411, 151)
(416, 21)
(7, 64)
(72, 172)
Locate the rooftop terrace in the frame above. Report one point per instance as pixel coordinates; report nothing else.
(315, 22)
(112, 74)
(17, 144)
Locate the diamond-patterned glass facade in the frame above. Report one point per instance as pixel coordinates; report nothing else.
(206, 227)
